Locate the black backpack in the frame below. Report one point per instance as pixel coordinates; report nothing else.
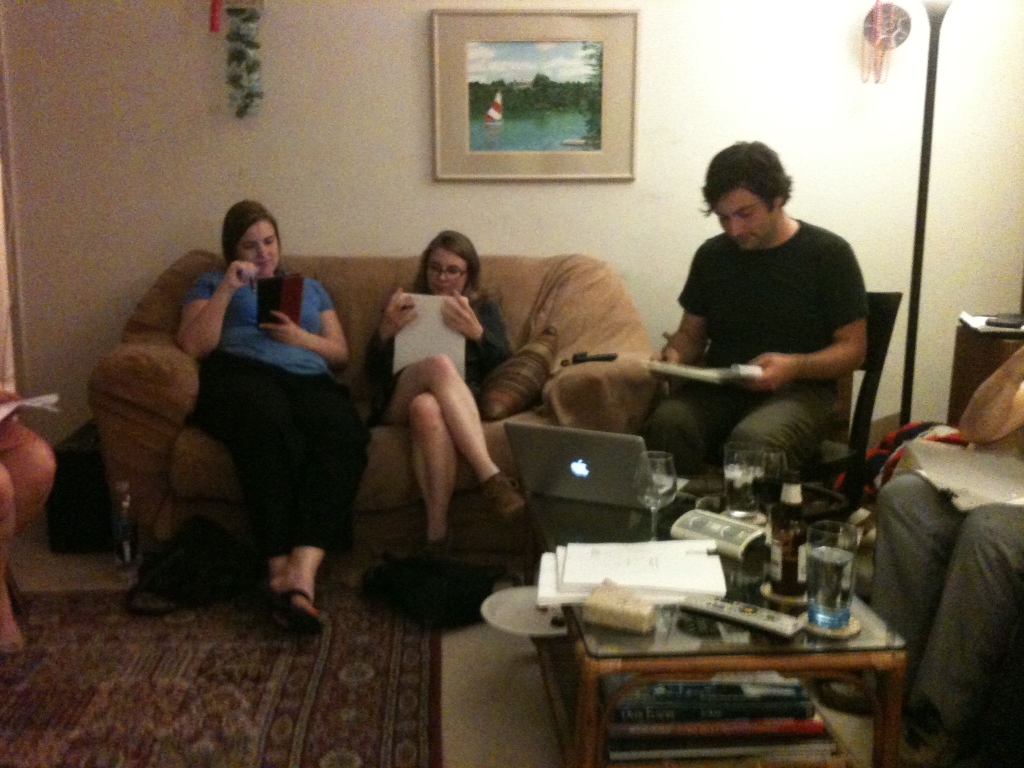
(202, 564)
(436, 591)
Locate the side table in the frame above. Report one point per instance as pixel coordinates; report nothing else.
(572, 667)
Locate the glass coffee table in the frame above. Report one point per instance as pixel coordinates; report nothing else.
(572, 666)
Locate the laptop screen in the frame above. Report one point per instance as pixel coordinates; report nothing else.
(579, 464)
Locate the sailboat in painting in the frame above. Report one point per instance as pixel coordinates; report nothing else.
(494, 113)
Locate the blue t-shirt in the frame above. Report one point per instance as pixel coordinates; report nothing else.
(240, 334)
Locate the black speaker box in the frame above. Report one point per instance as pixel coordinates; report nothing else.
(78, 510)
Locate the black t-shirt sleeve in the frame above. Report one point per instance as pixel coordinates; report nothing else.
(845, 298)
(696, 293)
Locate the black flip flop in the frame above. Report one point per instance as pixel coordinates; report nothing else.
(292, 617)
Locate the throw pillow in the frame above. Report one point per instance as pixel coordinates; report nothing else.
(516, 384)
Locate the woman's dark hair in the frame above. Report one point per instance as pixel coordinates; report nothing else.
(237, 221)
(748, 165)
(461, 246)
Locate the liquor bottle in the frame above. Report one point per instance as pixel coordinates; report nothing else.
(788, 569)
(124, 528)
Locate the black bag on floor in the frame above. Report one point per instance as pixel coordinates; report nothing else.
(78, 509)
(202, 564)
(436, 591)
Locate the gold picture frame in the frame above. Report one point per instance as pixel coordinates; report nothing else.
(548, 126)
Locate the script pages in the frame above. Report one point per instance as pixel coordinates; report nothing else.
(970, 477)
(428, 335)
(732, 374)
(658, 570)
(43, 402)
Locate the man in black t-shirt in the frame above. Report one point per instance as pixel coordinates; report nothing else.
(770, 291)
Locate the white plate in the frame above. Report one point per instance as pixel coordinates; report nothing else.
(515, 610)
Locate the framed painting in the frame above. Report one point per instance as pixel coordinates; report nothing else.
(538, 95)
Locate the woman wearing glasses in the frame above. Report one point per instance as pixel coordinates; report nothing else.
(430, 396)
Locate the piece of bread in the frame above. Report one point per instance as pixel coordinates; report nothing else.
(611, 605)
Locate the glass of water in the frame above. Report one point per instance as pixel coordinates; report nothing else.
(744, 463)
(656, 484)
(831, 548)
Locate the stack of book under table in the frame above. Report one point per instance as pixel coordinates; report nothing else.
(754, 715)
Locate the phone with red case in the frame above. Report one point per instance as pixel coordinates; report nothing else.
(281, 293)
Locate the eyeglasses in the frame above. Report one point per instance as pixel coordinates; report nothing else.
(437, 270)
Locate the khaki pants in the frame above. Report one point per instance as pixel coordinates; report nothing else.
(695, 423)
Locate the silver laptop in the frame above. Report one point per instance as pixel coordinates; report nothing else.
(577, 464)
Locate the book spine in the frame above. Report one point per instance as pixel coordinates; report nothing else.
(688, 711)
(740, 727)
(673, 691)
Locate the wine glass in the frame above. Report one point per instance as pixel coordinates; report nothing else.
(656, 484)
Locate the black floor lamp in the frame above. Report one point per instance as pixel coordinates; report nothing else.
(936, 12)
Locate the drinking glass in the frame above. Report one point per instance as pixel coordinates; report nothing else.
(831, 547)
(742, 464)
(656, 484)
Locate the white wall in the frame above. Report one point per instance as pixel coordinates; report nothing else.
(122, 152)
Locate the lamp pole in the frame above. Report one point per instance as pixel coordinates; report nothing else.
(936, 12)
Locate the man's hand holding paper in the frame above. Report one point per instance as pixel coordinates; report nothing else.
(776, 370)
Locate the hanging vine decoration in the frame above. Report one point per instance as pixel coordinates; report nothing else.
(243, 60)
(886, 26)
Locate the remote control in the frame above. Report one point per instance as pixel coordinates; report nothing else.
(586, 357)
(744, 613)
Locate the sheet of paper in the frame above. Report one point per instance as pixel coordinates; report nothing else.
(43, 402)
(972, 477)
(428, 335)
(682, 566)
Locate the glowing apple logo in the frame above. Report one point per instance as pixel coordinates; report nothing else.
(580, 468)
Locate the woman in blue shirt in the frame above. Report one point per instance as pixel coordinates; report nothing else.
(268, 392)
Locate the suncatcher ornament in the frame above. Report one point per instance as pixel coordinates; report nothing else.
(886, 26)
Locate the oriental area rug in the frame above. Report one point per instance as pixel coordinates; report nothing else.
(219, 687)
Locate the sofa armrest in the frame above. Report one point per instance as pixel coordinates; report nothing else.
(613, 396)
(140, 394)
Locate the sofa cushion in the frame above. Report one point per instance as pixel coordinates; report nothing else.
(516, 384)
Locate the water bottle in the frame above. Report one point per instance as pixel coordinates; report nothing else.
(126, 536)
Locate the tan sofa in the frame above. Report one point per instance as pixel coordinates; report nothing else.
(142, 392)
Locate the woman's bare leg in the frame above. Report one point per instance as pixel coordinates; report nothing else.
(438, 376)
(11, 639)
(434, 461)
(26, 477)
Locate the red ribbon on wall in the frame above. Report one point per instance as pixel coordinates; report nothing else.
(215, 6)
